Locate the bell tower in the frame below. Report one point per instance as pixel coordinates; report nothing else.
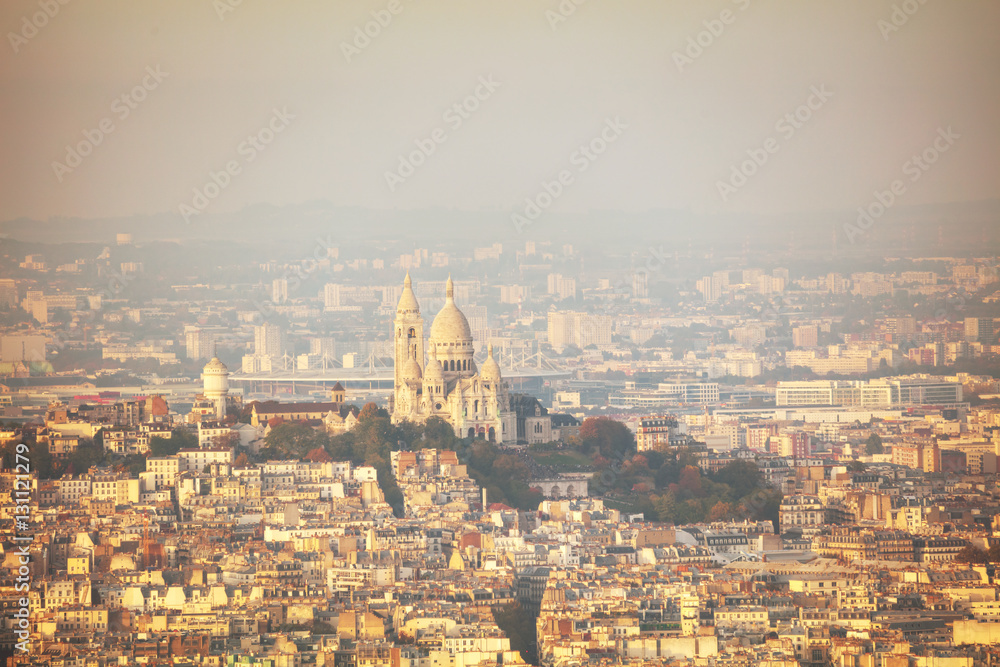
(408, 334)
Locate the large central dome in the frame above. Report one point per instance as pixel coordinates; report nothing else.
(450, 324)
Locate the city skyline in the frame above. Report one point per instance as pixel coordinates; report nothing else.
(548, 333)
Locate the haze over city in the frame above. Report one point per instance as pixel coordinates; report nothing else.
(567, 332)
(688, 118)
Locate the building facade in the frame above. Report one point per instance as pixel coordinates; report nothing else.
(447, 382)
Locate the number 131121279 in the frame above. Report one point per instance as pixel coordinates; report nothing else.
(22, 484)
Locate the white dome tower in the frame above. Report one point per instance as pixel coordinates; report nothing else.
(216, 389)
(451, 338)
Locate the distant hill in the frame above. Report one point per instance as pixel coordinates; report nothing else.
(937, 227)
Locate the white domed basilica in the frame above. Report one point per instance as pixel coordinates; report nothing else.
(447, 384)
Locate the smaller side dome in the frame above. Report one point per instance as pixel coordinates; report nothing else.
(215, 367)
(434, 371)
(491, 369)
(411, 369)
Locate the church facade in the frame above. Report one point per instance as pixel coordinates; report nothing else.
(444, 380)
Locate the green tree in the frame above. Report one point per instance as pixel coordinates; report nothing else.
(439, 434)
(481, 455)
(134, 464)
(666, 507)
(519, 625)
(180, 438)
(341, 447)
(292, 440)
(87, 454)
(374, 437)
(604, 435)
(762, 505)
(874, 444)
(741, 476)
(972, 555)
(721, 511)
(689, 483)
(42, 462)
(323, 628)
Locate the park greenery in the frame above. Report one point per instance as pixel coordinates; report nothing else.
(973, 555)
(664, 486)
(374, 438)
(89, 453)
(874, 445)
(667, 486)
(518, 624)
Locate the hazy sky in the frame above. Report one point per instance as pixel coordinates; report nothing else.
(681, 125)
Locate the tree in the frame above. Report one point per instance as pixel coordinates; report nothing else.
(438, 434)
(610, 438)
(690, 482)
(43, 463)
(972, 555)
(742, 477)
(874, 445)
(160, 446)
(133, 465)
(481, 456)
(374, 436)
(86, 455)
(341, 447)
(292, 440)
(519, 625)
(323, 628)
(721, 511)
(318, 455)
(856, 466)
(510, 467)
(763, 504)
(180, 438)
(372, 410)
(666, 507)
